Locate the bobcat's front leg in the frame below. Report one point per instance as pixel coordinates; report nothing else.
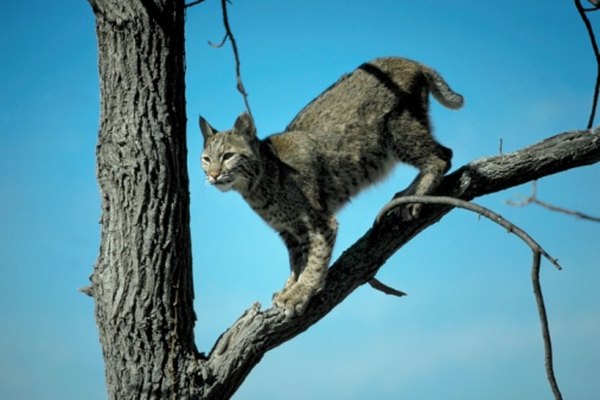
(319, 239)
(298, 252)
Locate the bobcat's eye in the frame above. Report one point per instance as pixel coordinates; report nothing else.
(206, 159)
(227, 156)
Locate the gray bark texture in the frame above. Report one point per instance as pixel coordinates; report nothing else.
(142, 281)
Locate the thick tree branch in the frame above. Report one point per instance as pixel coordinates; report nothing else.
(242, 346)
(142, 281)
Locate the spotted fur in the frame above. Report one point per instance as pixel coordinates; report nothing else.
(348, 138)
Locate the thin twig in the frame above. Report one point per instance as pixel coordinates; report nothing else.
(576, 214)
(238, 75)
(537, 250)
(454, 202)
(361, 261)
(539, 298)
(533, 199)
(590, 31)
(193, 3)
(595, 4)
(218, 45)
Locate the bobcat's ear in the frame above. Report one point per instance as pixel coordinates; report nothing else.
(205, 128)
(245, 126)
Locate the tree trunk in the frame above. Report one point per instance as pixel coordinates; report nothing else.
(142, 282)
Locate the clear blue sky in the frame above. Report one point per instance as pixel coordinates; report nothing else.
(467, 330)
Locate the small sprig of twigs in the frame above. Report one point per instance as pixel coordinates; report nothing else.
(536, 249)
(229, 36)
(533, 199)
(588, 26)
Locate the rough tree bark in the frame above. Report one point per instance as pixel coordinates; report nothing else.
(142, 282)
(256, 332)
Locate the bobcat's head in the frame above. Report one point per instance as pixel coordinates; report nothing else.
(230, 158)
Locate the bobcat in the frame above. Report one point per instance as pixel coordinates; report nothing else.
(347, 138)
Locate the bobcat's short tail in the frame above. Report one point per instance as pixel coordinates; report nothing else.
(442, 92)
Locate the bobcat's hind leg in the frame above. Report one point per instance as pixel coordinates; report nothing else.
(431, 171)
(319, 239)
(413, 143)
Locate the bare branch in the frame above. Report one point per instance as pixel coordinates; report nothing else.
(193, 3)
(454, 202)
(218, 45)
(595, 4)
(539, 298)
(534, 200)
(590, 31)
(536, 249)
(238, 74)
(574, 213)
(264, 330)
(87, 290)
(382, 287)
(527, 200)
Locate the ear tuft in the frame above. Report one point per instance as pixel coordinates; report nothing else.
(205, 128)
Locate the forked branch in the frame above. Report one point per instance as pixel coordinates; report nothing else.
(483, 211)
(236, 55)
(537, 252)
(533, 199)
(241, 347)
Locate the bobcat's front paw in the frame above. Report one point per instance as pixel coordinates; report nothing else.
(293, 300)
(405, 212)
(410, 211)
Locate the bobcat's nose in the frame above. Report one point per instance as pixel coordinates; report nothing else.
(213, 175)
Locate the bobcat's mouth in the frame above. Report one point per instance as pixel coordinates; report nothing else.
(224, 186)
(223, 183)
